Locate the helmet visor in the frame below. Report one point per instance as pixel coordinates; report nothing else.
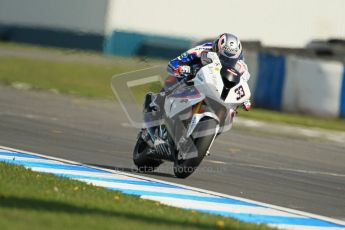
(227, 62)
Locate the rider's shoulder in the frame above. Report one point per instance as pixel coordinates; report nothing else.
(200, 48)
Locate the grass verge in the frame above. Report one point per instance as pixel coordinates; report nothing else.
(93, 80)
(295, 119)
(31, 200)
(72, 78)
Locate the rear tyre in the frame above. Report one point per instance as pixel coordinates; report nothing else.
(140, 159)
(185, 168)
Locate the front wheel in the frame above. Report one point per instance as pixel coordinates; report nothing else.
(185, 168)
(140, 158)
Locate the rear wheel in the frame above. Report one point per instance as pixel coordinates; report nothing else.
(184, 168)
(140, 158)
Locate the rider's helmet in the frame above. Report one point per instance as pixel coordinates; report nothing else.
(229, 49)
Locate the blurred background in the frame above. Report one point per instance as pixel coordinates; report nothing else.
(295, 49)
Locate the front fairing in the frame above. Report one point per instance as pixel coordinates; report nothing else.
(238, 94)
(182, 99)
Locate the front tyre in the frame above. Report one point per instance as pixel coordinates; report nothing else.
(185, 168)
(140, 159)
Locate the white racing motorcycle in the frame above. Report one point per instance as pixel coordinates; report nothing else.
(194, 113)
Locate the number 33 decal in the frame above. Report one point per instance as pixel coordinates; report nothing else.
(240, 93)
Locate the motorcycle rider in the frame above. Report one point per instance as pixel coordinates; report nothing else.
(229, 50)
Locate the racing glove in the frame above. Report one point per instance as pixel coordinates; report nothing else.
(247, 105)
(183, 71)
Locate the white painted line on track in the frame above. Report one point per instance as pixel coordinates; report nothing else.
(216, 162)
(9, 158)
(145, 188)
(289, 169)
(91, 174)
(302, 227)
(219, 207)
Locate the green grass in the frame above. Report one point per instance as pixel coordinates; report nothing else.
(31, 200)
(93, 80)
(295, 119)
(72, 78)
(22, 46)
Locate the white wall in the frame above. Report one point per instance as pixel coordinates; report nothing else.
(275, 22)
(312, 86)
(251, 59)
(81, 15)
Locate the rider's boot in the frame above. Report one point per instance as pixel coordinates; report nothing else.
(147, 103)
(152, 104)
(148, 108)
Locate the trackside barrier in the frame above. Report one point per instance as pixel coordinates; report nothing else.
(297, 84)
(270, 81)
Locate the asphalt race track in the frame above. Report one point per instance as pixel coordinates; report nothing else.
(307, 175)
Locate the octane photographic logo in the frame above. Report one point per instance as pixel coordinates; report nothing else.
(130, 89)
